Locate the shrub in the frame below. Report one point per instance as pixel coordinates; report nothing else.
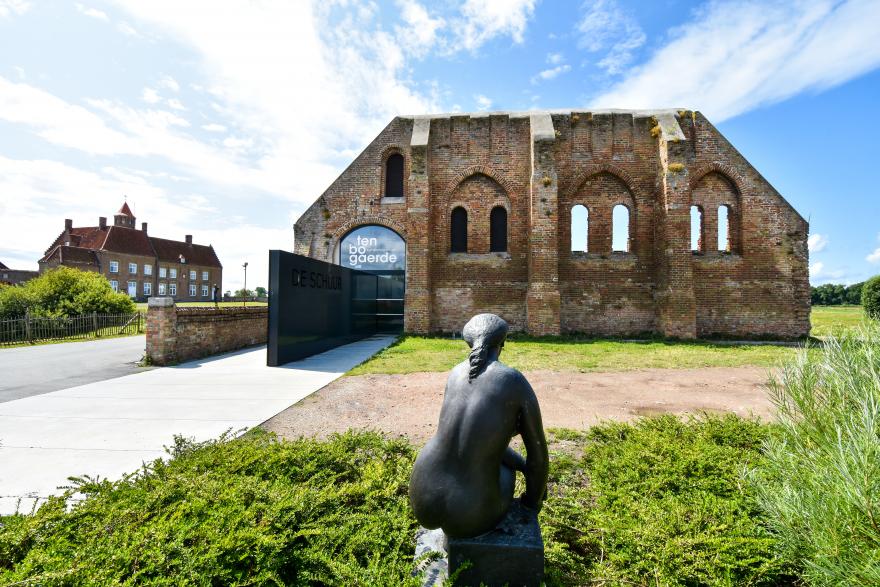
(659, 502)
(64, 292)
(820, 486)
(871, 297)
(252, 511)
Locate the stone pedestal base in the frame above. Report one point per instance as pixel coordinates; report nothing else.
(512, 554)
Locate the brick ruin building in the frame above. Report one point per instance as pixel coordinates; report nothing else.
(485, 204)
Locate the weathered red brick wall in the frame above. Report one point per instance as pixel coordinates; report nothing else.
(178, 334)
(657, 166)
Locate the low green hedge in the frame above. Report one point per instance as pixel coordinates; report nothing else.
(659, 502)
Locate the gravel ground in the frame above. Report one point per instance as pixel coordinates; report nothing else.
(409, 405)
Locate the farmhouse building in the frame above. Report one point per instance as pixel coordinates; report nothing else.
(15, 276)
(605, 223)
(135, 262)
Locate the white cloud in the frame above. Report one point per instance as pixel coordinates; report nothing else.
(92, 12)
(483, 20)
(214, 127)
(817, 242)
(419, 32)
(483, 103)
(169, 83)
(736, 56)
(555, 58)
(175, 104)
(127, 30)
(151, 96)
(13, 7)
(551, 73)
(874, 257)
(607, 28)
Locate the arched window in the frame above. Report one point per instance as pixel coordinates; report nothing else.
(458, 231)
(580, 228)
(498, 230)
(724, 228)
(394, 176)
(620, 228)
(696, 229)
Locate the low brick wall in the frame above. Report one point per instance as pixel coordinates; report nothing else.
(177, 334)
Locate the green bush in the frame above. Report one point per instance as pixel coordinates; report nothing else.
(64, 292)
(659, 502)
(820, 485)
(248, 512)
(871, 297)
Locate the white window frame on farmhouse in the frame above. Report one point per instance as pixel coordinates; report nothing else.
(133, 268)
(172, 273)
(206, 275)
(132, 289)
(148, 288)
(172, 289)
(192, 290)
(163, 272)
(161, 289)
(148, 269)
(204, 290)
(192, 274)
(114, 266)
(114, 284)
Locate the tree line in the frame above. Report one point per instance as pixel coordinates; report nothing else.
(835, 294)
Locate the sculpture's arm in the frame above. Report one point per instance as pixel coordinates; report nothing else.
(537, 458)
(513, 460)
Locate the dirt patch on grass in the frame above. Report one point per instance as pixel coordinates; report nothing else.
(409, 405)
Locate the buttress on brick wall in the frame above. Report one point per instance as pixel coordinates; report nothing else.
(669, 173)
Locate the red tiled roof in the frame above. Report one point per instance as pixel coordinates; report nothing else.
(77, 255)
(171, 251)
(125, 209)
(121, 239)
(87, 237)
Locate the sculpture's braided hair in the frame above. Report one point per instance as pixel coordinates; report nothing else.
(482, 333)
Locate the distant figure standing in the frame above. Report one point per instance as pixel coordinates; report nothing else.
(463, 478)
(215, 295)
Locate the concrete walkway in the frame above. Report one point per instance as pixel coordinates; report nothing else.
(111, 427)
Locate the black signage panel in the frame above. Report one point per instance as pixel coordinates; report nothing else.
(315, 306)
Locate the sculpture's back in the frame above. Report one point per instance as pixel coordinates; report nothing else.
(463, 479)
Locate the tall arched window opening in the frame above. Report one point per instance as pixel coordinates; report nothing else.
(394, 176)
(724, 228)
(580, 229)
(620, 228)
(458, 225)
(498, 230)
(696, 229)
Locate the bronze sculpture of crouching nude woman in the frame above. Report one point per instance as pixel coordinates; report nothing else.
(463, 479)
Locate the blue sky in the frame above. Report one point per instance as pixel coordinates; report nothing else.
(226, 119)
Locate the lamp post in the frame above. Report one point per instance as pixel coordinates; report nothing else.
(245, 283)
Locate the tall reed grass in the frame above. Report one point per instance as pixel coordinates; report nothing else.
(820, 483)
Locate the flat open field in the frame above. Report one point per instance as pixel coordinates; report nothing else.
(143, 305)
(828, 320)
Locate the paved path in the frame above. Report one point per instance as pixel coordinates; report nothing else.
(32, 370)
(110, 427)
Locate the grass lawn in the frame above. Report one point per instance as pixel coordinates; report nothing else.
(416, 353)
(143, 305)
(569, 353)
(829, 320)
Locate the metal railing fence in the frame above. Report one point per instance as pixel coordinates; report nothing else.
(88, 326)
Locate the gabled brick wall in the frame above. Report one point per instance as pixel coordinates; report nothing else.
(538, 166)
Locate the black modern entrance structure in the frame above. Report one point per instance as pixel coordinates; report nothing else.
(381, 252)
(315, 306)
